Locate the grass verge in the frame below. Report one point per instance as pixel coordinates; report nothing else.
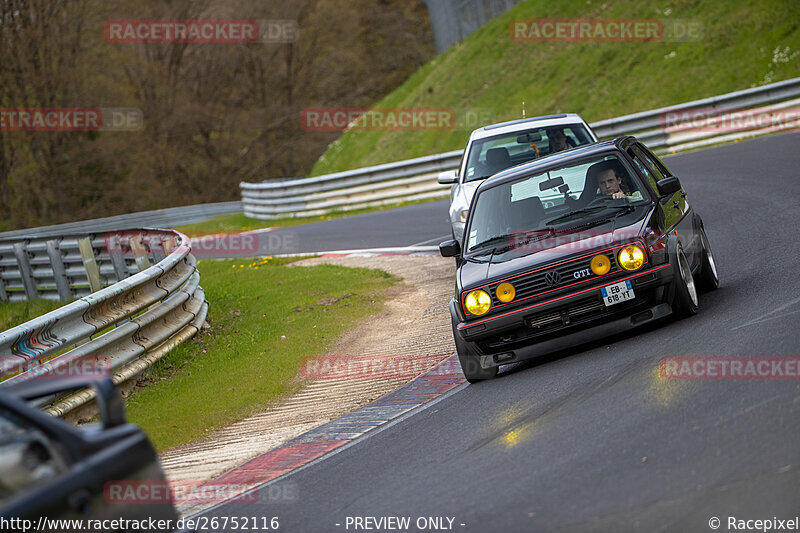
(15, 313)
(744, 43)
(265, 318)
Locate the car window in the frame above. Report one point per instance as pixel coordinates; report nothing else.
(494, 154)
(638, 160)
(551, 199)
(658, 163)
(654, 168)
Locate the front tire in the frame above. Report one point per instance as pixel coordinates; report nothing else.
(470, 362)
(707, 278)
(471, 367)
(684, 301)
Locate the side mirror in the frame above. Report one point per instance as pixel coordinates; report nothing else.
(449, 248)
(668, 186)
(448, 177)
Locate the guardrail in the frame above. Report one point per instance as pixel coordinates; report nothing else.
(69, 267)
(415, 179)
(158, 218)
(121, 328)
(649, 126)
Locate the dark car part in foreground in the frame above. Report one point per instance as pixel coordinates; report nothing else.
(573, 247)
(50, 468)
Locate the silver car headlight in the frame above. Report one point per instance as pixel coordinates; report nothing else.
(464, 215)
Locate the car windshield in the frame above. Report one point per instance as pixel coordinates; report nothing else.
(491, 155)
(557, 200)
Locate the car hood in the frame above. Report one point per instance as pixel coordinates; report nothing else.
(551, 249)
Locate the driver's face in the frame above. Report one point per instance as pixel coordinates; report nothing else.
(559, 139)
(608, 182)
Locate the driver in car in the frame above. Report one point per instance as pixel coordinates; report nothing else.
(603, 182)
(611, 185)
(557, 140)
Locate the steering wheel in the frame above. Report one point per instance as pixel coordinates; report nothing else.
(599, 200)
(606, 200)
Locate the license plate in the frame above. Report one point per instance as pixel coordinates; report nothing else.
(617, 293)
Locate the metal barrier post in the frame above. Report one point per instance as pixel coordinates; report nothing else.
(116, 252)
(90, 264)
(140, 252)
(59, 273)
(25, 270)
(3, 293)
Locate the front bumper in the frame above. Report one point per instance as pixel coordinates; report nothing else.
(565, 320)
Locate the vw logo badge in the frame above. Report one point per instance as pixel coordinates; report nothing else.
(552, 278)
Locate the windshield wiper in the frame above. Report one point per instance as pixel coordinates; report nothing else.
(625, 209)
(491, 241)
(576, 212)
(624, 212)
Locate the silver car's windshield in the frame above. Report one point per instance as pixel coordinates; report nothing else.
(491, 155)
(596, 189)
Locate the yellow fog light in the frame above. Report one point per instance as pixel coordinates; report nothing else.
(478, 302)
(631, 257)
(600, 264)
(505, 292)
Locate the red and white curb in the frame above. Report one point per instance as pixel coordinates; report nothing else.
(328, 437)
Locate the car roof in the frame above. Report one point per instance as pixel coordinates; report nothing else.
(558, 160)
(525, 124)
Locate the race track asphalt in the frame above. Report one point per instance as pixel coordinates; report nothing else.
(595, 439)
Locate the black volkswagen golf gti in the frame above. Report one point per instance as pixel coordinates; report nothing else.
(572, 247)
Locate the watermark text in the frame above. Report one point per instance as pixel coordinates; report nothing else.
(730, 368)
(604, 30)
(201, 31)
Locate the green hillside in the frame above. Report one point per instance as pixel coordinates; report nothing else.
(745, 43)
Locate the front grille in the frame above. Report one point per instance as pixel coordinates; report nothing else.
(565, 316)
(548, 324)
(534, 286)
(529, 285)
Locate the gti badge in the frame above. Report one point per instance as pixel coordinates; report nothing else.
(582, 273)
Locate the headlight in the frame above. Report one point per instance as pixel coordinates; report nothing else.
(505, 292)
(463, 216)
(478, 302)
(600, 264)
(631, 257)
